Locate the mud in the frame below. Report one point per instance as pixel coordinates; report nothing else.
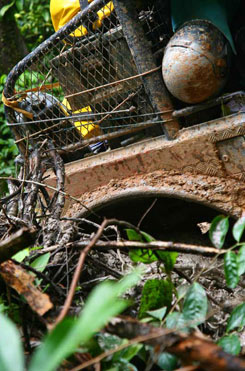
(224, 194)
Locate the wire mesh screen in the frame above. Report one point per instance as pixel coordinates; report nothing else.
(81, 88)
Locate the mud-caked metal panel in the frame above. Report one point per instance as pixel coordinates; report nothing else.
(232, 154)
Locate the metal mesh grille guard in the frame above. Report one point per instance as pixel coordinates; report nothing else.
(84, 87)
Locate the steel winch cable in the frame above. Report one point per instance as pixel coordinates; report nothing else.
(87, 117)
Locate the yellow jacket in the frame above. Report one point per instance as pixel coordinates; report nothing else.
(62, 11)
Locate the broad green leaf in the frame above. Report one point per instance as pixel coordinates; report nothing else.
(195, 305)
(218, 230)
(145, 256)
(147, 237)
(230, 344)
(41, 262)
(175, 320)
(172, 319)
(21, 255)
(11, 352)
(158, 313)
(133, 235)
(128, 353)
(102, 304)
(155, 294)
(182, 290)
(231, 269)
(167, 361)
(241, 260)
(168, 259)
(107, 342)
(238, 229)
(237, 318)
(5, 8)
(19, 4)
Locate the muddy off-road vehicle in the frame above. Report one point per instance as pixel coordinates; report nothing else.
(130, 124)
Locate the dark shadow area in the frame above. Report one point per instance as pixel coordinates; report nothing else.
(169, 218)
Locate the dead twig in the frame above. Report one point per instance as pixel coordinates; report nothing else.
(155, 246)
(190, 348)
(146, 212)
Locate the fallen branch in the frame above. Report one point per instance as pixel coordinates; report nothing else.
(16, 242)
(155, 245)
(190, 348)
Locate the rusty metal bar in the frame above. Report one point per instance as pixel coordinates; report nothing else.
(109, 136)
(144, 61)
(184, 112)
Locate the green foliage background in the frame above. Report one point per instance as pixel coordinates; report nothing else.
(34, 22)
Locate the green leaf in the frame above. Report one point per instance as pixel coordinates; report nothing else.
(230, 344)
(41, 262)
(176, 320)
(102, 304)
(155, 294)
(11, 352)
(133, 235)
(21, 255)
(19, 5)
(231, 269)
(167, 361)
(237, 318)
(147, 237)
(158, 313)
(145, 256)
(168, 259)
(238, 229)
(241, 260)
(5, 8)
(218, 230)
(195, 305)
(107, 342)
(128, 353)
(182, 290)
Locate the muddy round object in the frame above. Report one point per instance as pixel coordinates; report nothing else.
(196, 62)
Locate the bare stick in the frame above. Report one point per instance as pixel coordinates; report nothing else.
(154, 246)
(190, 348)
(146, 212)
(114, 83)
